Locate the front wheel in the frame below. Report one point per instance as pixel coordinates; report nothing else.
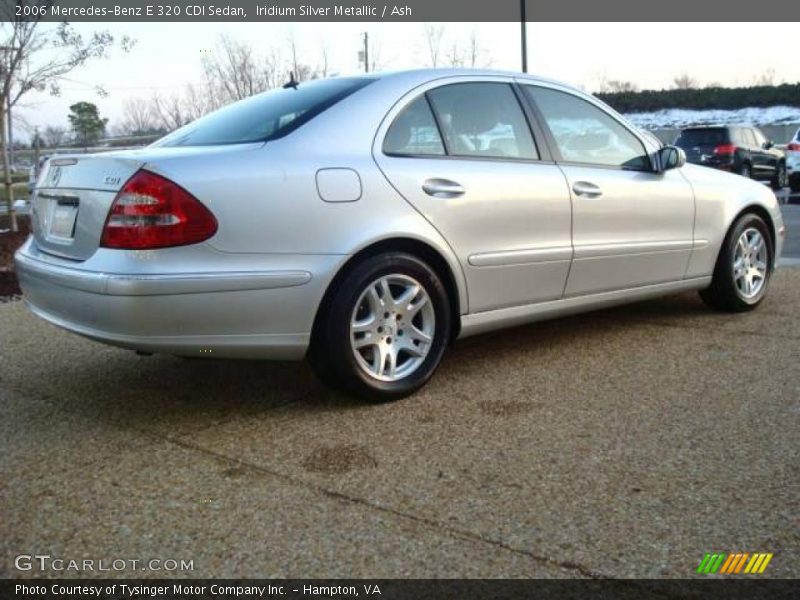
(385, 330)
(743, 267)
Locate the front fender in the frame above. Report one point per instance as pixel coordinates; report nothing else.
(719, 200)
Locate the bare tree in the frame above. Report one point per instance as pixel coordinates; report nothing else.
(137, 117)
(35, 57)
(618, 86)
(323, 67)
(54, 135)
(455, 57)
(169, 111)
(474, 50)
(767, 78)
(301, 71)
(684, 82)
(233, 67)
(433, 42)
(196, 103)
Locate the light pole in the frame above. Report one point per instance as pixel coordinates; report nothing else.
(366, 52)
(523, 20)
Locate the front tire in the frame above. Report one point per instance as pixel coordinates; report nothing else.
(385, 330)
(743, 268)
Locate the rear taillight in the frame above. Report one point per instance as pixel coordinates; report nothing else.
(153, 212)
(794, 146)
(725, 149)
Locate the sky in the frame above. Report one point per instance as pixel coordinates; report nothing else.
(167, 56)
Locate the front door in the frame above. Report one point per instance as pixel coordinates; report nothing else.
(631, 225)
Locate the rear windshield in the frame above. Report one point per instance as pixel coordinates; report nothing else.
(266, 116)
(701, 137)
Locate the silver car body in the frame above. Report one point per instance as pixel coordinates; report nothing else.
(519, 245)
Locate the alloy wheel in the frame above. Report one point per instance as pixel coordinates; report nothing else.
(750, 263)
(392, 327)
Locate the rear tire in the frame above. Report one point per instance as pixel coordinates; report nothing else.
(358, 349)
(743, 269)
(745, 170)
(779, 181)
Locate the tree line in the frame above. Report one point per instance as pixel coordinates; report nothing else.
(717, 97)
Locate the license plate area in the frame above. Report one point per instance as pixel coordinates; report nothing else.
(62, 214)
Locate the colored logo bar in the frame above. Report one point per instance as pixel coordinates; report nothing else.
(735, 563)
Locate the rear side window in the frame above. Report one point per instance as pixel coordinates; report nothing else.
(689, 138)
(414, 132)
(586, 134)
(266, 116)
(482, 120)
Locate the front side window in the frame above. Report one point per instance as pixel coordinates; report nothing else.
(414, 132)
(586, 134)
(266, 116)
(482, 120)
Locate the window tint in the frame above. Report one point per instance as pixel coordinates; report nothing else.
(586, 134)
(482, 119)
(414, 131)
(266, 116)
(690, 138)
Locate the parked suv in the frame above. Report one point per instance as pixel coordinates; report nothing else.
(742, 150)
(793, 162)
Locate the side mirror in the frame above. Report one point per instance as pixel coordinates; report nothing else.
(670, 157)
(768, 144)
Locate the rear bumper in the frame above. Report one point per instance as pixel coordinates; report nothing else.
(264, 313)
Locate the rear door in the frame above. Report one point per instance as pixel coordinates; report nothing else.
(631, 226)
(463, 154)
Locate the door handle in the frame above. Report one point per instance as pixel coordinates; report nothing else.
(586, 189)
(442, 188)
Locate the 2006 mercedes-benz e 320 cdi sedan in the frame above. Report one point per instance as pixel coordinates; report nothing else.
(367, 222)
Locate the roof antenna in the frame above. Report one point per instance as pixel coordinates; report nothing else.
(292, 83)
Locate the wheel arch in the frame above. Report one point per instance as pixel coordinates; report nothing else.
(415, 247)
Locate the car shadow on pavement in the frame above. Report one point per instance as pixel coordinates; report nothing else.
(179, 396)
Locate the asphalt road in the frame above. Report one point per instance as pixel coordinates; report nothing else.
(791, 219)
(621, 443)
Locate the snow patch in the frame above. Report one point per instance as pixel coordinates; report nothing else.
(677, 118)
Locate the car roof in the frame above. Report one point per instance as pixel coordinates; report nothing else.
(420, 76)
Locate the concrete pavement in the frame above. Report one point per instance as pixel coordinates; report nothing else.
(622, 443)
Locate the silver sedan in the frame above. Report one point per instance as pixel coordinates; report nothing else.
(368, 222)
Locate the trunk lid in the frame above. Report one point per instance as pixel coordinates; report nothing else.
(71, 201)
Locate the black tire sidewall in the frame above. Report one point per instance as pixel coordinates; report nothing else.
(723, 274)
(337, 339)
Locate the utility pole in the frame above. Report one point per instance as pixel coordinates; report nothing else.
(523, 21)
(366, 52)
